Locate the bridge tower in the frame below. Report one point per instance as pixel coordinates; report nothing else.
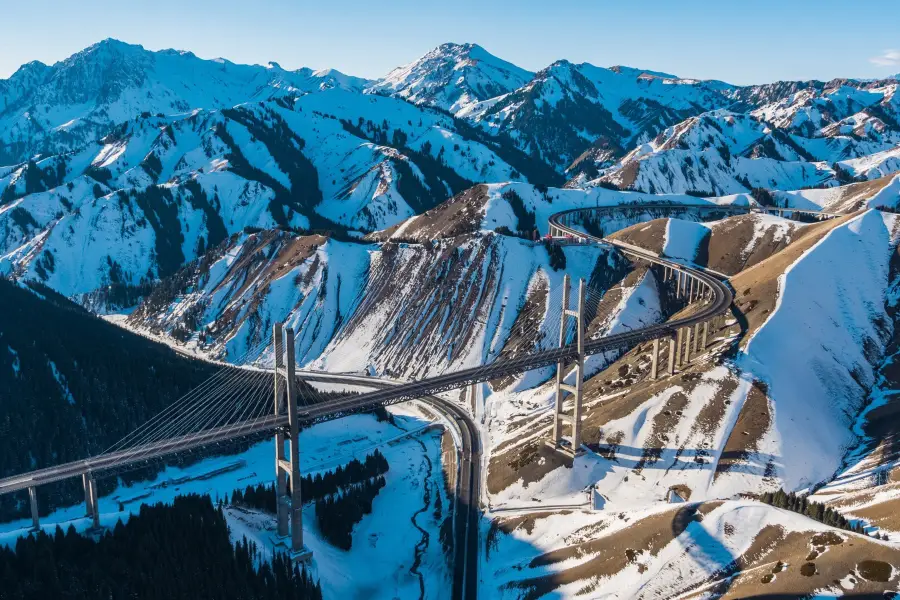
(92, 508)
(288, 503)
(562, 388)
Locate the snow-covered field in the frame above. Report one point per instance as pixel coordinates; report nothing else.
(384, 543)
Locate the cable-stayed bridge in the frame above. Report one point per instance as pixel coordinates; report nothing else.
(252, 396)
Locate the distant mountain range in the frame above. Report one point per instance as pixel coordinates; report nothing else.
(123, 164)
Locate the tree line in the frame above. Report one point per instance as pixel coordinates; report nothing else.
(336, 515)
(170, 552)
(72, 385)
(814, 510)
(312, 488)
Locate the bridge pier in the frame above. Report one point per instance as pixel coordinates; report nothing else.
(88, 501)
(691, 292)
(687, 345)
(654, 359)
(696, 338)
(559, 415)
(92, 507)
(32, 500)
(679, 337)
(289, 504)
(281, 507)
(671, 355)
(705, 332)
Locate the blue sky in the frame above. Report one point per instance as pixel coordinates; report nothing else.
(741, 42)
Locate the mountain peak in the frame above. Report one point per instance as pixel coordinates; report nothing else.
(29, 70)
(632, 71)
(453, 77)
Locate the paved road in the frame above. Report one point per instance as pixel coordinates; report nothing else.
(468, 491)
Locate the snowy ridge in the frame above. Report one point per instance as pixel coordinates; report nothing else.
(84, 96)
(453, 77)
(842, 312)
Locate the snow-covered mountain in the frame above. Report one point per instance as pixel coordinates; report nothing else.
(717, 153)
(453, 77)
(51, 109)
(334, 159)
(567, 110)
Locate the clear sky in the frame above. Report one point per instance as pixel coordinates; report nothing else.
(738, 41)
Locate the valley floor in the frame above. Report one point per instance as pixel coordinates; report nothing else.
(396, 551)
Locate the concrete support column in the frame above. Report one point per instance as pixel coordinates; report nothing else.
(562, 388)
(290, 389)
(88, 500)
(696, 338)
(691, 291)
(687, 345)
(705, 333)
(95, 506)
(281, 499)
(654, 359)
(560, 364)
(579, 374)
(678, 343)
(672, 355)
(678, 284)
(32, 500)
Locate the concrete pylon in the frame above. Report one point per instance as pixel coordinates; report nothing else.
(678, 343)
(289, 506)
(91, 502)
(294, 424)
(696, 338)
(687, 345)
(560, 416)
(654, 359)
(560, 364)
(705, 333)
(32, 500)
(281, 475)
(88, 500)
(671, 355)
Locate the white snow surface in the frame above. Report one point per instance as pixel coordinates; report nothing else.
(830, 312)
(683, 239)
(383, 542)
(698, 552)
